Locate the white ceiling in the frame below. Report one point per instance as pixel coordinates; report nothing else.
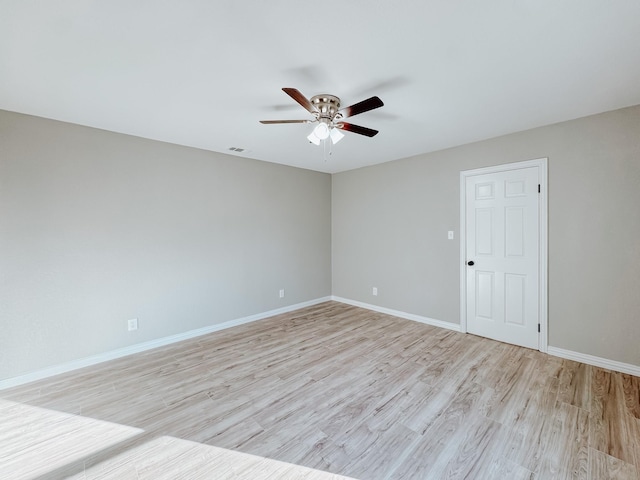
(202, 73)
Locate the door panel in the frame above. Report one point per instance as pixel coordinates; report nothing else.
(503, 242)
(485, 294)
(514, 231)
(514, 299)
(484, 231)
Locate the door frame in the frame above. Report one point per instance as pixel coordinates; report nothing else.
(541, 163)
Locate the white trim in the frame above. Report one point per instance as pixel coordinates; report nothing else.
(543, 307)
(396, 313)
(557, 352)
(463, 253)
(142, 347)
(541, 163)
(595, 361)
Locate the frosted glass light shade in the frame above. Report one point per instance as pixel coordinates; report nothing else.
(321, 131)
(313, 139)
(336, 135)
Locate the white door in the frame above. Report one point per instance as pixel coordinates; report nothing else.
(502, 255)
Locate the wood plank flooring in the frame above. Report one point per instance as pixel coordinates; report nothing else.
(324, 392)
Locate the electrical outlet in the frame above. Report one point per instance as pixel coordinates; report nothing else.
(450, 235)
(132, 324)
(282, 293)
(374, 291)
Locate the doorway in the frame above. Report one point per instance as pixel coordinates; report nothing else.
(503, 253)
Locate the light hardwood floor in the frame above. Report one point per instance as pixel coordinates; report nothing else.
(326, 391)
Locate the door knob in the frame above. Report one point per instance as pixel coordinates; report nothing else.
(471, 263)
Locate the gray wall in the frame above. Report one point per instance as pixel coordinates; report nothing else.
(390, 225)
(98, 227)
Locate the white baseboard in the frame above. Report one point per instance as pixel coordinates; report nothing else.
(396, 313)
(141, 347)
(595, 361)
(558, 352)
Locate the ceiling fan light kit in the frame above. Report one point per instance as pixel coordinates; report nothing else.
(327, 114)
(321, 131)
(336, 135)
(313, 139)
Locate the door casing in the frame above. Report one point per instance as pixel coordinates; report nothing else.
(541, 163)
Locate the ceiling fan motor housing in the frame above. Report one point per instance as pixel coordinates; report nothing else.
(327, 105)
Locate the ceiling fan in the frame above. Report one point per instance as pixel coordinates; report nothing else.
(328, 115)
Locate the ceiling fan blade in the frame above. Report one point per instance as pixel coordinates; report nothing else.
(350, 127)
(361, 107)
(269, 122)
(301, 99)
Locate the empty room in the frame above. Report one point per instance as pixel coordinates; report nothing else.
(282, 240)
